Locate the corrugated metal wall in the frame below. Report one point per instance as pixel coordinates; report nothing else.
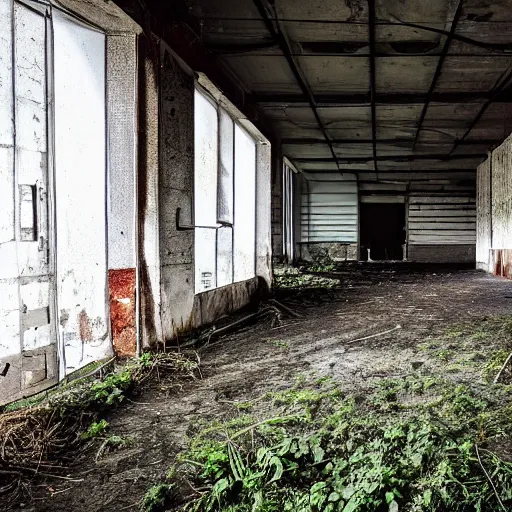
(329, 208)
(441, 220)
(502, 196)
(483, 215)
(441, 211)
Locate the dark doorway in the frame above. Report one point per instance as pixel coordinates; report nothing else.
(382, 228)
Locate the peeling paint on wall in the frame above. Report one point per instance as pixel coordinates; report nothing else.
(80, 192)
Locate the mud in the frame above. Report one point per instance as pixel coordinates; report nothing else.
(397, 310)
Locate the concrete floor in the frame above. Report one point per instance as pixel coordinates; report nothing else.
(398, 309)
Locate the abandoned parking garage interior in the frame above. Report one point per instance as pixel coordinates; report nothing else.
(256, 255)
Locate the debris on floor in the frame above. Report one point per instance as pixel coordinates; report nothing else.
(378, 394)
(40, 440)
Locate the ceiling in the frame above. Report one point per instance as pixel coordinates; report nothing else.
(370, 85)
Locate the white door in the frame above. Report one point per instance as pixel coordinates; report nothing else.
(27, 333)
(80, 178)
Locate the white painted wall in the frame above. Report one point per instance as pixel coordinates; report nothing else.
(483, 215)
(9, 300)
(244, 240)
(232, 188)
(501, 204)
(80, 150)
(205, 191)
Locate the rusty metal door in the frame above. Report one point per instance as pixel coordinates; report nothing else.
(28, 354)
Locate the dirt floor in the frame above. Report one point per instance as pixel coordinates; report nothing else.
(382, 322)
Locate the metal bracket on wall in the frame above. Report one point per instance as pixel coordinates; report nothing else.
(3, 373)
(189, 227)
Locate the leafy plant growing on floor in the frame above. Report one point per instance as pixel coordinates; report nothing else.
(111, 390)
(316, 449)
(156, 498)
(95, 429)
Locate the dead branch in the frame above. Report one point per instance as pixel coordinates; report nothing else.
(374, 335)
(505, 364)
(489, 478)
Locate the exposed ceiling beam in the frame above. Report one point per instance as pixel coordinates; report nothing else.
(391, 158)
(398, 141)
(438, 70)
(497, 47)
(279, 36)
(390, 171)
(498, 90)
(373, 87)
(334, 100)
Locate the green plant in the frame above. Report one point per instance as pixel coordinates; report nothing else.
(156, 497)
(278, 343)
(444, 354)
(113, 442)
(146, 359)
(494, 363)
(95, 429)
(352, 453)
(111, 390)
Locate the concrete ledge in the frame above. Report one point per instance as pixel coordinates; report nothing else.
(442, 253)
(211, 305)
(336, 251)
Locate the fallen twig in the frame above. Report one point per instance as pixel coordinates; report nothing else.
(286, 309)
(489, 478)
(93, 372)
(505, 364)
(374, 335)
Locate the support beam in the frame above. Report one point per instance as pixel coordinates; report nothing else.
(406, 142)
(373, 87)
(438, 70)
(391, 158)
(499, 48)
(383, 172)
(504, 85)
(279, 36)
(339, 100)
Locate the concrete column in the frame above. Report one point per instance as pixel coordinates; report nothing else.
(176, 191)
(263, 213)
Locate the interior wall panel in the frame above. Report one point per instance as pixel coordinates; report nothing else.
(329, 210)
(502, 196)
(483, 215)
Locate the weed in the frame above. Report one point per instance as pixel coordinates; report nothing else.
(278, 343)
(113, 442)
(290, 277)
(319, 267)
(444, 354)
(494, 363)
(355, 453)
(156, 498)
(453, 332)
(111, 390)
(146, 359)
(95, 429)
(429, 345)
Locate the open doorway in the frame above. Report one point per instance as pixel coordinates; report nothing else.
(382, 228)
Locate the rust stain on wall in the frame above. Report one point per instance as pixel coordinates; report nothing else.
(502, 262)
(84, 326)
(122, 311)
